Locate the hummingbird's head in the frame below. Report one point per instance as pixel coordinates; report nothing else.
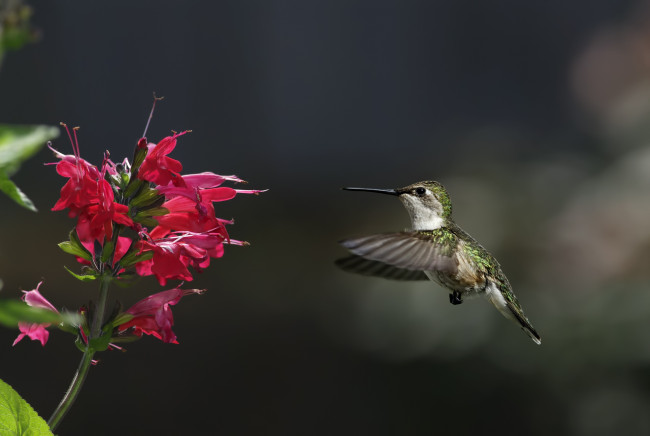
(427, 203)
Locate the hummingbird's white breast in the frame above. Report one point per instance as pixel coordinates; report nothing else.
(423, 216)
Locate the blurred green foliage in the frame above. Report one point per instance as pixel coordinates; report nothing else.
(18, 143)
(15, 28)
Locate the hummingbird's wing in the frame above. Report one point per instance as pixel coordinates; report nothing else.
(405, 250)
(359, 265)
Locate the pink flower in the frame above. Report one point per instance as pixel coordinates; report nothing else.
(194, 182)
(195, 215)
(96, 220)
(190, 206)
(158, 167)
(153, 315)
(167, 262)
(81, 188)
(177, 250)
(36, 332)
(190, 234)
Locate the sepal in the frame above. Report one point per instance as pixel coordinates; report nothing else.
(124, 338)
(82, 277)
(122, 177)
(122, 318)
(101, 343)
(145, 197)
(80, 344)
(134, 256)
(147, 222)
(133, 187)
(156, 211)
(98, 249)
(107, 251)
(138, 157)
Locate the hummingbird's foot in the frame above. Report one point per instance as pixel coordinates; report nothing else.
(455, 298)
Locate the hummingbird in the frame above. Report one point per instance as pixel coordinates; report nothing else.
(435, 249)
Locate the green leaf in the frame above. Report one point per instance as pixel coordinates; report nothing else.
(70, 248)
(18, 143)
(84, 277)
(17, 417)
(14, 311)
(13, 192)
(74, 239)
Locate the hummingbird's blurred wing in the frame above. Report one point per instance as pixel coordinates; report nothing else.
(359, 265)
(406, 250)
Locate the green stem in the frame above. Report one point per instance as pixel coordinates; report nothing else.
(80, 376)
(73, 391)
(98, 318)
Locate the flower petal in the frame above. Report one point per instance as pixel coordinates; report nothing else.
(35, 299)
(36, 332)
(153, 315)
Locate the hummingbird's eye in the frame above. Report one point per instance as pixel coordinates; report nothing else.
(420, 191)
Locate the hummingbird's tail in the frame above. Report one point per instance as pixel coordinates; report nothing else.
(526, 326)
(510, 308)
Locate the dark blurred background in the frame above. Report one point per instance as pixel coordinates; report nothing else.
(536, 118)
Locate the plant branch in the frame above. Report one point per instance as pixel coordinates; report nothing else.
(80, 376)
(71, 395)
(98, 317)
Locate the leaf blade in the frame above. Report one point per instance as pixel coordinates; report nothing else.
(19, 143)
(17, 416)
(14, 311)
(14, 192)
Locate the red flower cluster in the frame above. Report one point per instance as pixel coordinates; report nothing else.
(183, 232)
(88, 195)
(190, 234)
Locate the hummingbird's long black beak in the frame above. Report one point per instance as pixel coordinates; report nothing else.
(381, 191)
